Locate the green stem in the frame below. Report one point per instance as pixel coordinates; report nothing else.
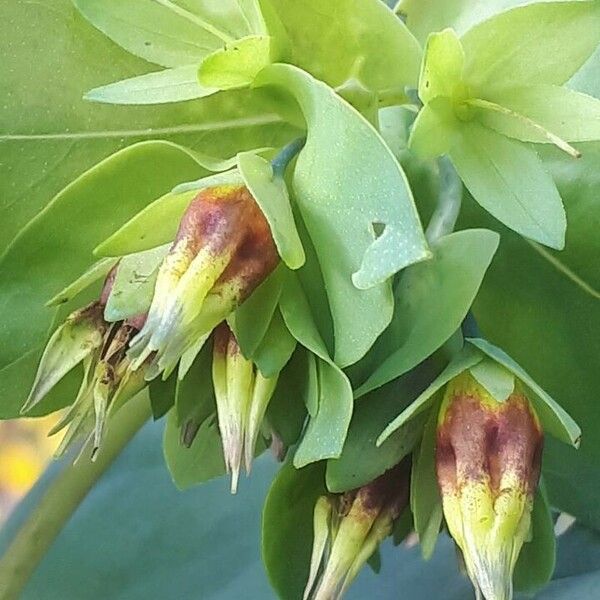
(444, 218)
(62, 499)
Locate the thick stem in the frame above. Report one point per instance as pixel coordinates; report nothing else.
(62, 498)
(446, 213)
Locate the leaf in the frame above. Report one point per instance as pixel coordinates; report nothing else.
(435, 129)
(96, 272)
(441, 71)
(573, 116)
(467, 358)
(133, 286)
(425, 499)
(362, 460)
(46, 144)
(548, 42)
(554, 418)
(251, 320)
(537, 559)
(497, 380)
(326, 431)
(366, 40)
(510, 182)
(237, 64)
(432, 299)
(287, 527)
(276, 347)
(199, 463)
(170, 85)
(270, 193)
(161, 31)
(340, 203)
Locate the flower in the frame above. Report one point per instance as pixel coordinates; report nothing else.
(348, 528)
(108, 381)
(222, 251)
(488, 460)
(242, 394)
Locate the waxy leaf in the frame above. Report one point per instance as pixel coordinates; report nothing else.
(362, 460)
(96, 272)
(163, 31)
(287, 527)
(276, 347)
(510, 182)
(133, 286)
(467, 358)
(341, 203)
(373, 39)
(425, 499)
(237, 64)
(270, 193)
(442, 67)
(170, 85)
(432, 299)
(435, 129)
(554, 418)
(496, 379)
(572, 116)
(545, 42)
(326, 431)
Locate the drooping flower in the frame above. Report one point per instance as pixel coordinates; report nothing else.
(488, 459)
(108, 381)
(349, 527)
(222, 251)
(242, 395)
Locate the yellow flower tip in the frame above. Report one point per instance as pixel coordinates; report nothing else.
(355, 525)
(488, 459)
(223, 250)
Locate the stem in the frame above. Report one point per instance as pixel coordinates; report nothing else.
(287, 154)
(62, 499)
(446, 213)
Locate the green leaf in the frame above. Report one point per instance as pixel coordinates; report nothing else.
(573, 116)
(96, 272)
(442, 67)
(366, 40)
(435, 129)
(287, 527)
(510, 182)
(362, 460)
(340, 203)
(432, 299)
(170, 85)
(237, 64)
(276, 347)
(252, 319)
(497, 380)
(467, 358)
(162, 395)
(326, 432)
(199, 463)
(133, 286)
(548, 42)
(271, 195)
(554, 418)
(425, 499)
(162, 31)
(537, 559)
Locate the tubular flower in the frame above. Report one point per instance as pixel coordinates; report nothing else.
(488, 461)
(222, 251)
(348, 529)
(242, 394)
(108, 381)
